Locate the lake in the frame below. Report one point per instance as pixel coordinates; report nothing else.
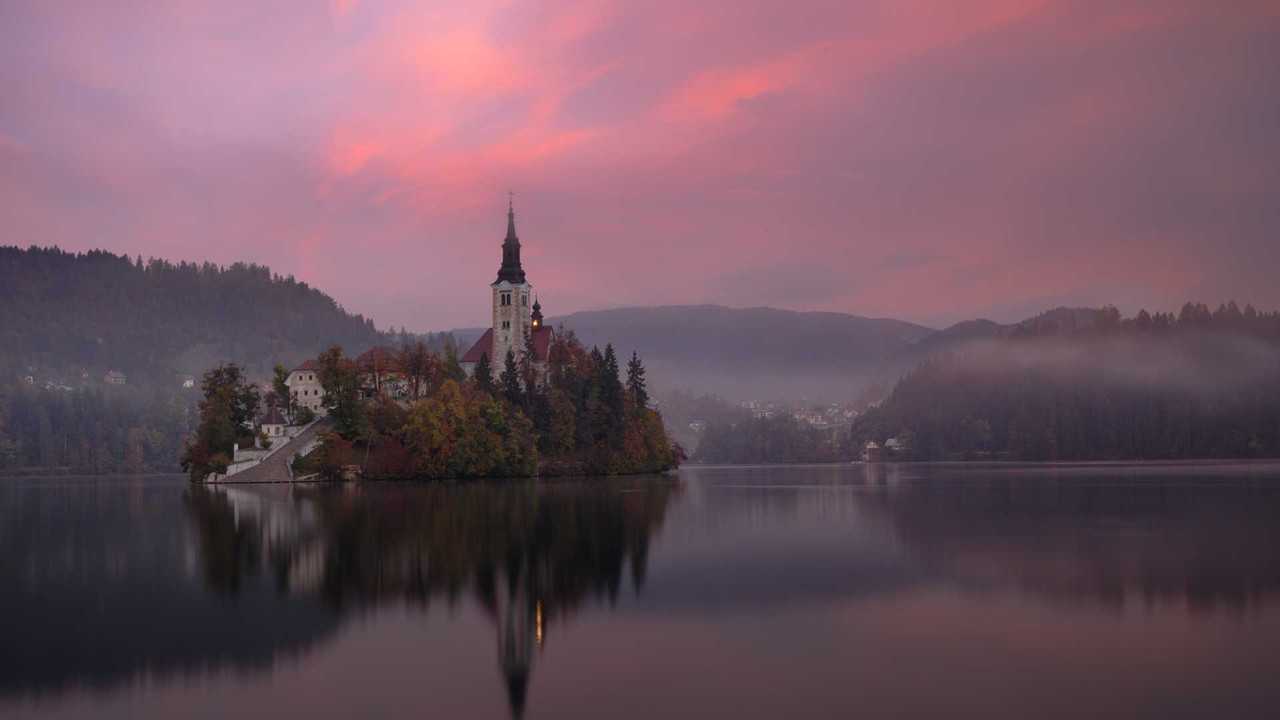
(910, 591)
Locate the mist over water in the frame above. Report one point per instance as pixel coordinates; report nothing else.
(1135, 590)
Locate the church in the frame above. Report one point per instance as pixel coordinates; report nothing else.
(514, 318)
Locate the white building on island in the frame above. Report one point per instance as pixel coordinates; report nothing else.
(304, 387)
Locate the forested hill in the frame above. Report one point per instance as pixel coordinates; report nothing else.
(63, 314)
(1090, 385)
(751, 353)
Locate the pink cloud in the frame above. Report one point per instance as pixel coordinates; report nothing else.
(922, 159)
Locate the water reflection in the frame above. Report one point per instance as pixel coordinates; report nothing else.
(98, 591)
(1204, 539)
(756, 591)
(530, 554)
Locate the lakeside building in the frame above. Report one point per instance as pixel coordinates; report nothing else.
(304, 387)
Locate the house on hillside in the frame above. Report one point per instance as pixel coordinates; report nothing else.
(114, 377)
(304, 387)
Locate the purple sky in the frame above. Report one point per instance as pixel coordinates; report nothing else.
(932, 161)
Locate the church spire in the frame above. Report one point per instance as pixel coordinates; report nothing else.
(511, 270)
(511, 222)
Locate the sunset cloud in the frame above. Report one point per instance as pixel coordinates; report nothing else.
(927, 160)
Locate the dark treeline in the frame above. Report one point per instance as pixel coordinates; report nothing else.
(93, 430)
(575, 416)
(64, 313)
(1201, 384)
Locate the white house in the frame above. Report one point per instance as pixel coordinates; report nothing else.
(304, 387)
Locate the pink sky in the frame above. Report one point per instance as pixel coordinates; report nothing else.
(932, 161)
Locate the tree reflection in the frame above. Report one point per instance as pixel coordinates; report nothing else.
(530, 553)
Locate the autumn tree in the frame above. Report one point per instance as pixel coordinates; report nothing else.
(341, 382)
(420, 367)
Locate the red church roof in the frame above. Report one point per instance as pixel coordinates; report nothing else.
(484, 346)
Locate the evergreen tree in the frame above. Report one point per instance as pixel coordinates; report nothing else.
(510, 380)
(529, 373)
(280, 386)
(452, 368)
(611, 393)
(636, 386)
(483, 377)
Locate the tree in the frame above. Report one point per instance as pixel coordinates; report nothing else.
(611, 393)
(483, 375)
(510, 380)
(636, 387)
(420, 366)
(226, 415)
(280, 386)
(452, 368)
(341, 382)
(529, 373)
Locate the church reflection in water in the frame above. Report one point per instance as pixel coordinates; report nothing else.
(529, 553)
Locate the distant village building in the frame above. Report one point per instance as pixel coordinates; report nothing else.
(114, 377)
(187, 381)
(304, 387)
(514, 318)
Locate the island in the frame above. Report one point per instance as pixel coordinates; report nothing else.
(525, 400)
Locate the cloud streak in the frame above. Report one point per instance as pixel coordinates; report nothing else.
(925, 160)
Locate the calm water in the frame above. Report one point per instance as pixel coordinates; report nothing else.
(910, 591)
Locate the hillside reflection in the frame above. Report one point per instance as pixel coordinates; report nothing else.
(530, 554)
(1111, 537)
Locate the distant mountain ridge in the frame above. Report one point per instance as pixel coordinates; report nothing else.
(743, 353)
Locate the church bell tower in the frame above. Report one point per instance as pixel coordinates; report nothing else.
(511, 291)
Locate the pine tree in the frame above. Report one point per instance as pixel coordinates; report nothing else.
(452, 368)
(636, 386)
(510, 380)
(611, 390)
(483, 376)
(529, 372)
